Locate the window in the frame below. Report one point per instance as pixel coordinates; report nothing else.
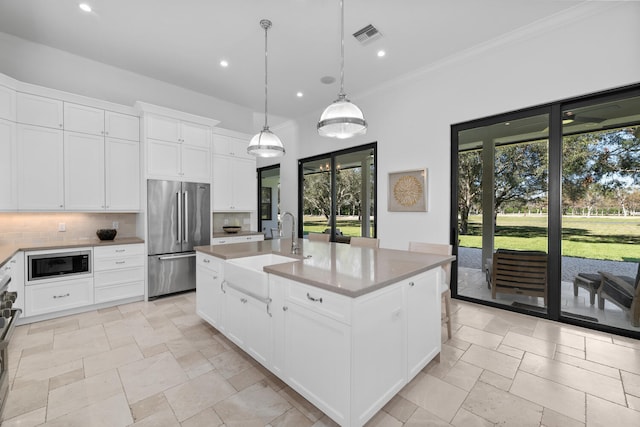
(338, 193)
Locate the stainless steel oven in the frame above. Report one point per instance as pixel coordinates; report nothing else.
(43, 265)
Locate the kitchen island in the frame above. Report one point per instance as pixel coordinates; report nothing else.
(346, 327)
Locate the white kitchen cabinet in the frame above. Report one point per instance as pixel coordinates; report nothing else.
(122, 175)
(237, 239)
(231, 146)
(421, 291)
(178, 149)
(121, 126)
(8, 166)
(84, 119)
(16, 269)
(7, 103)
(40, 168)
(39, 111)
(210, 295)
(118, 272)
(43, 298)
(234, 184)
(84, 172)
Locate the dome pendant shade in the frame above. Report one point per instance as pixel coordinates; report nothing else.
(266, 144)
(342, 120)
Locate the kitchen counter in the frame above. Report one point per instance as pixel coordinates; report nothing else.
(7, 251)
(336, 267)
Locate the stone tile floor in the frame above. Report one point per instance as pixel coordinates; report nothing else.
(158, 364)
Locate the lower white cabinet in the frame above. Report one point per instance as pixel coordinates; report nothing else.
(209, 292)
(348, 356)
(118, 272)
(237, 239)
(57, 296)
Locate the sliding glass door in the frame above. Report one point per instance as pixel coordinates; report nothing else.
(547, 211)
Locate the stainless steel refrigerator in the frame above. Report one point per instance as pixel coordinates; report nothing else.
(179, 218)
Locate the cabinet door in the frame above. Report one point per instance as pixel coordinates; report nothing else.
(80, 118)
(8, 162)
(40, 168)
(7, 103)
(195, 134)
(163, 159)
(236, 316)
(210, 297)
(423, 319)
(245, 185)
(259, 335)
(196, 163)
(58, 296)
(317, 360)
(84, 171)
(163, 128)
(122, 175)
(38, 110)
(121, 126)
(222, 183)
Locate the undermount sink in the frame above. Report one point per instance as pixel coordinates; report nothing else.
(246, 274)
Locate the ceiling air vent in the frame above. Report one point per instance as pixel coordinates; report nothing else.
(367, 34)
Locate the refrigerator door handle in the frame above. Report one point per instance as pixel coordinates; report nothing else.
(179, 222)
(170, 257)
(186, 216)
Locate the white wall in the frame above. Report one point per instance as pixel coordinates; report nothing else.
(53, 68)
(411, 119)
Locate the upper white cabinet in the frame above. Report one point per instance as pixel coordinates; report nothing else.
(177, 149)
(8, 166)
(84, 172)
(121, 126)
(85, 119)
(39, 111)
(122, 175)
(235, 183)
(40, 168)
(7, 103)
(231, 146)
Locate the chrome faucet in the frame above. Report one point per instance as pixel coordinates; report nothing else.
(294, 244)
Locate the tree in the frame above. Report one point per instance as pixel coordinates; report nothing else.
(469, 186)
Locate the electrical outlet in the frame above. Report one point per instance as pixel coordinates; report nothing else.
(62, 226)
(226, 221)
(115, 225)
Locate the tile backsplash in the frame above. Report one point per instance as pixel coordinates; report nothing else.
(42, 227)
(220, 219)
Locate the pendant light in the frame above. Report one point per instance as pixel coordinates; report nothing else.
(342, 119)
(265, 143)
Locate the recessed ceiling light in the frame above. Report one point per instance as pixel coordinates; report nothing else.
(85, 7)
(381, 53)
(224, 63)
(299, 94)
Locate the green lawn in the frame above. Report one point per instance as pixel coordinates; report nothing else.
(349, 226)
(608, 238)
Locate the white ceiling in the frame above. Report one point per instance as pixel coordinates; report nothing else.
(183, 41)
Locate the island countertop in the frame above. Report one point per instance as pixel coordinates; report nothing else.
(337, 267)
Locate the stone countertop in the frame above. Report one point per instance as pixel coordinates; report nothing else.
(7, 251)
(336, 267)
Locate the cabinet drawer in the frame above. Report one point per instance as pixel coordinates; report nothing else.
(224, 240)
(119, 291)
(252, 238)
(327, 303)
(51, 297)
(117, 250)
(112, 277)
(117, 263)
(209, 262)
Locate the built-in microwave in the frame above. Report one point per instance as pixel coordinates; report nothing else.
(43, 265)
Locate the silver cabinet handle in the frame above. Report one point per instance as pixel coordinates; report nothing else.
(243, 300)
(61, 296)
(120, 250)
(222, 287)
(314, 299)
(411, 284)
(206, 261)
(285, 308)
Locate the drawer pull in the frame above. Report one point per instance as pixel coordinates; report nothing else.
(120, 262)
(411, 284)
(285, 308)
(120, 250)
(206, 261)
(314, 299)
(61, 296)
(243, 300)
(222, 287)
